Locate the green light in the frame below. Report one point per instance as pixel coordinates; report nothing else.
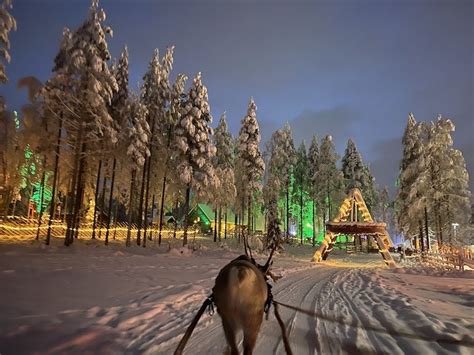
(36, 196)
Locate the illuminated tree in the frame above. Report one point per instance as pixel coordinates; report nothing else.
(137, 152)
(448, 191)
(357, 175)
(119, 111)
(250, 159)
(224, 167)
(88, 86)
(281, 153)
(156, 94)
(7, 24)
(167, 131)
(12, 158)
(272, 184)
(300, 194)
(330, 180)
(352, 167)
(411, 199)
(193, 147)
(313, 161)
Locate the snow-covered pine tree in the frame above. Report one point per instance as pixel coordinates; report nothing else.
(369, 188)
(88, 87)
(8, 141)
(119, 112)
(357, 175)
(38, 136)
(11, 159)
(150, 96)
(173, 116)
(162, 124)
(281, 152)
(54, 106)
(139, 135)
(330, 179)
(300, 195)
(384, 205)
(224, 166)
(352, 166)
(313, 162)
(7, 24)
(271, 194)
(413, 180)
(194, 149)
(449, 193)
(250, 159)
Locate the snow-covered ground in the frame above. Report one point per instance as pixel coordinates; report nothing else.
(93, 299)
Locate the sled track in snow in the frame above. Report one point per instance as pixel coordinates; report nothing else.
(350, 294)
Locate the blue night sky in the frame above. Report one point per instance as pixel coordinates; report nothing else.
(352, 69)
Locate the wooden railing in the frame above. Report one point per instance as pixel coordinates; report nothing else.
(451, 257)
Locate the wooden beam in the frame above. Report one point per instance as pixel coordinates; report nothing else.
(356, 228)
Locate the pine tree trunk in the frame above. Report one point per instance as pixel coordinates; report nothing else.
(319, 223)
(314, 226)
(162, 205)
(96, 198)
(73, 190)
(14, 206)
(111, 194)
(176, 219)
(220, 224)
(225, 223)
(420, 225)
(6, 206)
(80, 184)
(102, 205)
(147, 190)
(440, 229)
(249, 215)
(236, 224)
(301, 211)
(150, 233)
(52, 208)
(287, 210)
(241, 230)
(163, 187)
(449, 217)
(324, 221)
(428, 246)
(115, 220)
(129, 227)
(43, 181)
(186, 211)
(215, 225)
(140, 204)
(65, 208)
(329, 203)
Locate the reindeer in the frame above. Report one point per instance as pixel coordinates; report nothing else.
(241, 294)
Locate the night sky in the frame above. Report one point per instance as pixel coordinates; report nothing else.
(352, 69)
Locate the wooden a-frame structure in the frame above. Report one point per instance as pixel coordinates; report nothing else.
(347, 222)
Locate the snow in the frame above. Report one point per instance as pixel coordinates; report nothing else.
(97, 299)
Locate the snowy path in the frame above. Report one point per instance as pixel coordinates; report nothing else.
(356, 295)
(135, 301)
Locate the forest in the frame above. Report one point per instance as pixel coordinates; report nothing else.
(90, 152)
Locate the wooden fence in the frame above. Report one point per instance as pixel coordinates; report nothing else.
(451, 257)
